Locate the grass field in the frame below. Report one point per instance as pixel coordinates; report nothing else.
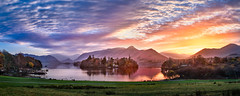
(18, 86)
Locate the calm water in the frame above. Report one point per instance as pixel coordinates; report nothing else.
(107, 75)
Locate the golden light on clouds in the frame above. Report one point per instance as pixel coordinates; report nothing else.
(192, 38)
(179, 26)
(222, 29)
(155, 37)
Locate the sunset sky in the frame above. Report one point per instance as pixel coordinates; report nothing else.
(76, 26)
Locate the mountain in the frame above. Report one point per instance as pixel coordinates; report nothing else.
(46, 60)
(67, 61)
(175, 55)
(144, 58)
(60, 57)
(227, 50)
(75, 56)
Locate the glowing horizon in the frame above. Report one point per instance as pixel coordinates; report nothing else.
(78, 26)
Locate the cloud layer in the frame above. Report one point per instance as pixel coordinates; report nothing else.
(76, 26)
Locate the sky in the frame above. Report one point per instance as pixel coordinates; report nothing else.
(76, 26)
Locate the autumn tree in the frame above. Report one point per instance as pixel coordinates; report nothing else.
(168, 64)
(1, 60)
(9, 62)
(30, 64)
(199, 60)
(171, 74)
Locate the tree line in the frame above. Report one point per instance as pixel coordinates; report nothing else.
(198, 67)
(15, 64)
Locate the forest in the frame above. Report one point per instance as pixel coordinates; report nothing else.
(198, 67)
(17, 65)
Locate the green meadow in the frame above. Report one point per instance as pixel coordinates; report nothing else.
(19, 86)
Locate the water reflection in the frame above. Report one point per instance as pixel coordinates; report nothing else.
(148, 74)
(109, 71)
(141, 74)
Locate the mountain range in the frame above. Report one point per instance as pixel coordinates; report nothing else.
(46, 60)
(68, 61)
(64, 58)
(144, 58)
(60, 57)
(228, 50)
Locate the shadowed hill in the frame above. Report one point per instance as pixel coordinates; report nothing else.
(222, 52)
(47, 60)
(67, 61)
(59, 57)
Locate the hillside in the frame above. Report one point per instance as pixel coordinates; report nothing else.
(144, 58)
(60, 57)
(47, 60)
(67, 61)
(227, 50)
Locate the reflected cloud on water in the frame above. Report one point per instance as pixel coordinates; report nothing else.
(140, 74)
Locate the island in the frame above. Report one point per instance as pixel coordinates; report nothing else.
(123, 66)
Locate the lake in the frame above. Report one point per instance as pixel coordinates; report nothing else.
(141, 74)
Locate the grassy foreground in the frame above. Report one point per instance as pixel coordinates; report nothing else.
(18, 86)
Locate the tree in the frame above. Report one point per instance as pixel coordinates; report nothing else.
(174, 67)
(217, 60)
(238, 60)
(89, 57)
(1, 65)
(200, 60)
(168, 64)
(171, 74)
(129, 57)
(104, 61)
(1, 60)
(9, 62)
(30, 64)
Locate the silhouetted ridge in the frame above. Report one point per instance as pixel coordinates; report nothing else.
(222, 52)
(230, 46)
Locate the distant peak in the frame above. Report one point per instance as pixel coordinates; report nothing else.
(231, 45)
(131, 47)
(151, 50)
